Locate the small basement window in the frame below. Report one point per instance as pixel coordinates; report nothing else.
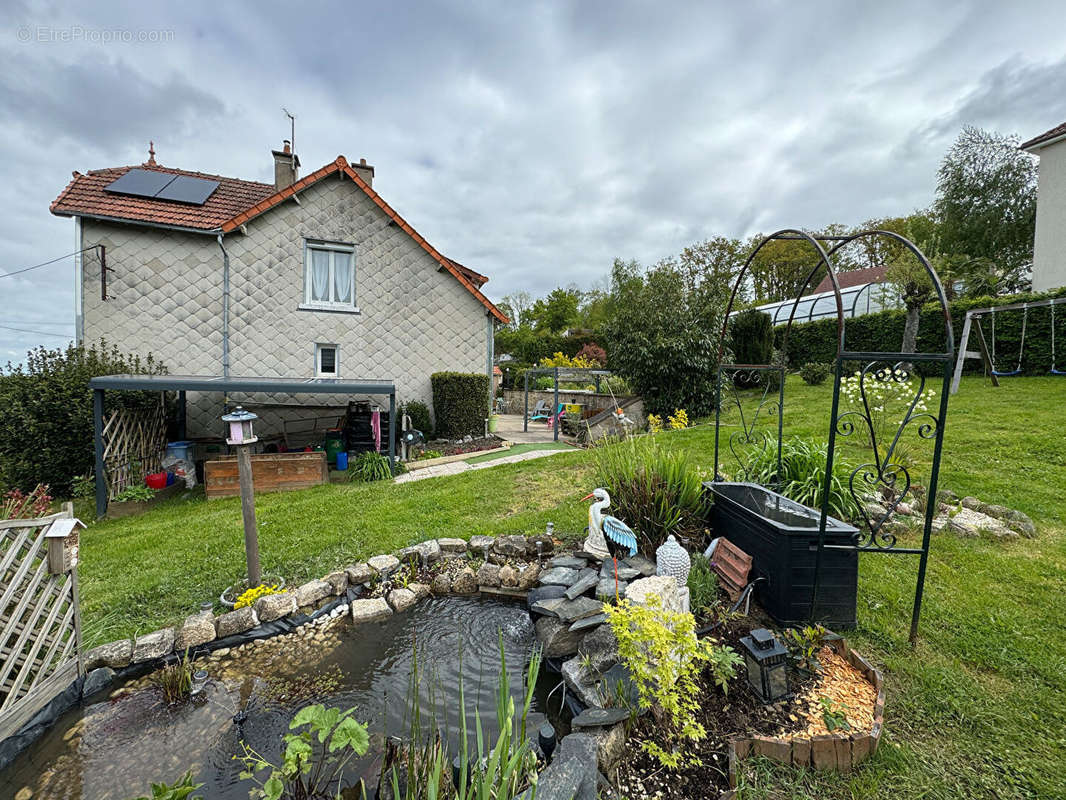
(329, 277)
(327, 361)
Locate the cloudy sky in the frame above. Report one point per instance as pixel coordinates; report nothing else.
(533, 141)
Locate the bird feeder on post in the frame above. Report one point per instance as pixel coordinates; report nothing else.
(241, 436)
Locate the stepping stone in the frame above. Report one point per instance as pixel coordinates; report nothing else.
(624, 573)
(599, 717)
(638, 562)
(588, 623)
(605, 588)
(569, 610)
(559, 576)
(586, 579)
(544, 593)
(569, 562)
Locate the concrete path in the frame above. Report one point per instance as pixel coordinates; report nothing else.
(509, 427)
(455, 467)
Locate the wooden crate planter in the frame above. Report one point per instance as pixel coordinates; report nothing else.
(271, 472)
(837, 751)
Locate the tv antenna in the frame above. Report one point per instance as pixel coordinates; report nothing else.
(292, 125)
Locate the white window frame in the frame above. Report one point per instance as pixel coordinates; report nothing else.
(320, 305)
(319, 347)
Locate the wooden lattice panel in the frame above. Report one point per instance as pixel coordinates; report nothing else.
(134, 444)
(39, 623)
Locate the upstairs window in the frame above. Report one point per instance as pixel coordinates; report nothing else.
(327, 361)
(329, 277)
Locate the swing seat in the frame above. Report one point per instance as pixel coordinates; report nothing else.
(1057, 371)
(1011, 374)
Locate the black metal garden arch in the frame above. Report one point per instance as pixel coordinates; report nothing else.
(882, 472)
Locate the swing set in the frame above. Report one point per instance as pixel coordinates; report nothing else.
(987, 353)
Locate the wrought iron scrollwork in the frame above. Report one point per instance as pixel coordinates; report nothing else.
(885, 478)
(732, 381)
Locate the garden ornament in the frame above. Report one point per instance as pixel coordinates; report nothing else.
(608, 534)
(672, 560)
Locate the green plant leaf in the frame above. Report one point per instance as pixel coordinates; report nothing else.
(350, 733)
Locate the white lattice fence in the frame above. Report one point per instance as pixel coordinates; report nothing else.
(134, 444)
(40, 626)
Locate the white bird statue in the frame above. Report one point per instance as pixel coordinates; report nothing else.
(607, 534)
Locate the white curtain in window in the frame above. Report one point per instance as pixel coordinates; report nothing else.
(320, 276)
(342, 277)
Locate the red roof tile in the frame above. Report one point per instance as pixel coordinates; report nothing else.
(85, 195)
(1046, 136)
(854, 277)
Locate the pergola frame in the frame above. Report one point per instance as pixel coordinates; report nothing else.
(226, 385)
(556, 373)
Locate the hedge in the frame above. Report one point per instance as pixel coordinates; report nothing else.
(460, 403)
(883, 332)
(527, 346)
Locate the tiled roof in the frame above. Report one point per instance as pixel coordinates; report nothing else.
(85, 195)
(1046, 136)
(232, 204)
(854, 277)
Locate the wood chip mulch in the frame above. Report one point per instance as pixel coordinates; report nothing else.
(846, 688)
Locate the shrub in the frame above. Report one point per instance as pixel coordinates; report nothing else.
(678, 421)
(752, 335)
(46, 412)
(17, 505)
(664, 658)
(369, 466)
(802, 475)
(814, 373)
(419, 414)
(616, 385)
(593, 352)
(460, 403)
(656, 491)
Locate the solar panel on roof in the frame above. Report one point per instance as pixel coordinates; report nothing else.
(184, 189)
(140, 183)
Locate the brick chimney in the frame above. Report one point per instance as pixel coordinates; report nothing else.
(364, 171)
(286, 166)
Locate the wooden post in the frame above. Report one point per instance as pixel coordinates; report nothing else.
(251, 532)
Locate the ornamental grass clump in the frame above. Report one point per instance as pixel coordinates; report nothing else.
(665, 659)
(802, 475)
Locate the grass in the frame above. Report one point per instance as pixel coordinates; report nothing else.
(977, 710)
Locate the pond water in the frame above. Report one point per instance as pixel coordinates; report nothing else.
(114, 748)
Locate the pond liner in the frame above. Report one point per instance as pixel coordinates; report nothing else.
(13, 745)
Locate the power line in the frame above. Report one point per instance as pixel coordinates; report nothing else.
(38, 333)
(34, 322)
(46, 263)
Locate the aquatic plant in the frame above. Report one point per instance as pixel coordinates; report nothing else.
(175, 680)
(181, 789)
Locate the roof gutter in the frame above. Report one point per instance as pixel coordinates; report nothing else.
(225, 308)
(124, 221)
(1033, 148)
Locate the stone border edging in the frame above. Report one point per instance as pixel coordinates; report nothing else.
(414, 466)
(835, 751)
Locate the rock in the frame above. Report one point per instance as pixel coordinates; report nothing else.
(610, 745)
(586, 579)
(605, 588)
(569, 610)
(547, 545)
(556, 637)
(338, 582)
(222, 652)
(967, 522)
(153, 645)
(488, 575)
(275, 606)
(645, 566)
(527, 577)
(559, 576)
(465, 582)
(624, 573)
(239, 621)
(588, 623)
(601, 647)
(384, 565)
(972, 503)
(370, 610)
(360, 573)
(619, 683)
(450, 548)
(599, 717)
(422, 553)
(25, 793)
(113, 654)
(572, 773)
(401, 599)
(568, 562)
(662, 586)
(97, 680)
(311, 592)
(544, 593)
(510, 546)
(508, 576)
(420, 590)
(442, 584)
(583, 684)
(479, 544)
(198, 629)
(590, 558)
(1015, 520)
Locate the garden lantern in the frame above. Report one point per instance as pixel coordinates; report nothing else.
(240, 426)
(764, 657)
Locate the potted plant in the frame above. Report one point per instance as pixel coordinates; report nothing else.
(494, 420)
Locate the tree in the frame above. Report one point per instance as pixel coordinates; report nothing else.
(516, 306)
(780, 270)
(718, 260)
(557, 311)
(986, 207)
(662, 334)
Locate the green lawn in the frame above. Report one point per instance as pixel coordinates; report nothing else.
(978, 709)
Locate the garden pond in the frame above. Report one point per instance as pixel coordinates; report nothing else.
(115, 747)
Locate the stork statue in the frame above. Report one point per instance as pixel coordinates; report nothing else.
(608, 534)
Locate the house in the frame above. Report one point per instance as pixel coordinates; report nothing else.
(312, 277)
(862, 291)
(1049, 250)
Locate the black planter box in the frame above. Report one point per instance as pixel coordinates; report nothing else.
(781, 536)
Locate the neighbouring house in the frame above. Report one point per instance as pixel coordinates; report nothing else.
(862, 291)
(1049, 247)
(312, 277)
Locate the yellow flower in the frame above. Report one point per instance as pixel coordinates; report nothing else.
(249, 596)
(678, 420)
(655, 423)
